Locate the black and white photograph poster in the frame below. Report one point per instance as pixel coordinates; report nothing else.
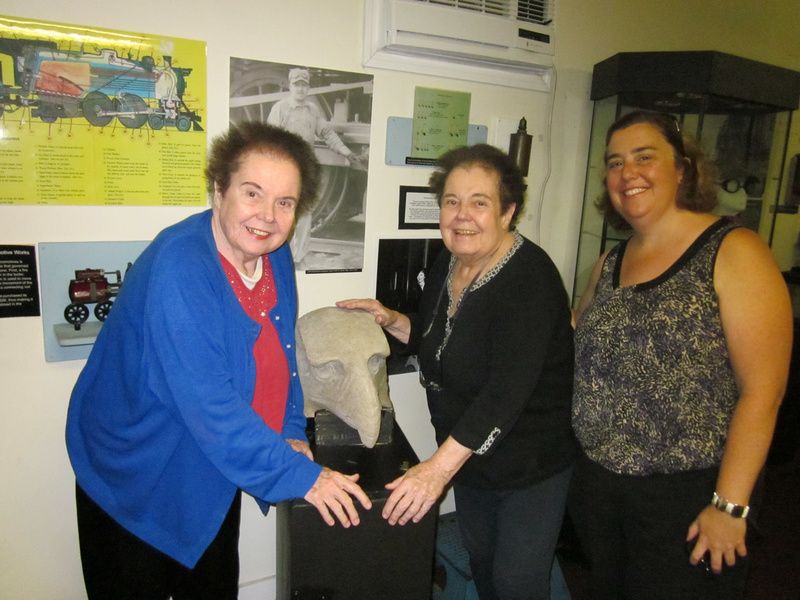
(332, 110)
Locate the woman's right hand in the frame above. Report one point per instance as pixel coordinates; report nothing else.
(385, 317)
(396, 323)
(331, 494)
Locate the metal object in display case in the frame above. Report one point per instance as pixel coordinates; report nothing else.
(739, 110)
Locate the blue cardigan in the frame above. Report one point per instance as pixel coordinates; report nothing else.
(160, 431)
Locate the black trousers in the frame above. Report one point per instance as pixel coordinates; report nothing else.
(117, 565)
(511, 536)
(633, 530)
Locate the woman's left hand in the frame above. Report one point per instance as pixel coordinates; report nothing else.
(302, 447)
(414, 493)
(758, 330)
(419, 488)
(719, 534)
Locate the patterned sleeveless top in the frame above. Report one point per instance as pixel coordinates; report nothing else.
(654, 387)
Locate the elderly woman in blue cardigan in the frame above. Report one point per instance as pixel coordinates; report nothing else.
(191, 392)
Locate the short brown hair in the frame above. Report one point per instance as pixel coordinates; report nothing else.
(228, 149)
(512, 184)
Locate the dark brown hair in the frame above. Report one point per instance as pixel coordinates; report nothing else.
(697, 191)
(229, 149)
(512, 185)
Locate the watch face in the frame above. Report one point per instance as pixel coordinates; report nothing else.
(739, 511)
(734, 510)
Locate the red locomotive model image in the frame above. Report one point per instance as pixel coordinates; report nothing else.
(88, 287)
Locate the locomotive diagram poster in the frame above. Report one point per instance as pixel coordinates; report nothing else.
(93, 116)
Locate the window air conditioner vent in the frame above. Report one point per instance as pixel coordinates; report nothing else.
(535, 11)
(506, 42)
(491, 7)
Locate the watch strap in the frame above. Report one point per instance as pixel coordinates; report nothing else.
(735, 510)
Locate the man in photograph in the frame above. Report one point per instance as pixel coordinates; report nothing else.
(304, 118)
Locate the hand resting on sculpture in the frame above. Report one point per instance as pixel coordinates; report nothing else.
(395, 323)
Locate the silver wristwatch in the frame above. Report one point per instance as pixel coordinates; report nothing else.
(735, 510)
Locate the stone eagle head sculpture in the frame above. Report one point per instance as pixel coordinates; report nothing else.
(341, 359)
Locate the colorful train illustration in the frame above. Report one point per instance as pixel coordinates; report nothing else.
(99, 87)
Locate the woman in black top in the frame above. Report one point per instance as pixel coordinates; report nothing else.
(494, 341)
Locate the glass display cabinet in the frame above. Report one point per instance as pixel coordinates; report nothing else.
(739, 110)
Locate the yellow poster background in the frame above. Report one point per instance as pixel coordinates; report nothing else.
(100, 117)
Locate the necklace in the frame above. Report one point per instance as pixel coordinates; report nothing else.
(481, 276)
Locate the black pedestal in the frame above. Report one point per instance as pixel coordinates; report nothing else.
(370, 562)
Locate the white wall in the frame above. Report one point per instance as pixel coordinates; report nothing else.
(38, 553)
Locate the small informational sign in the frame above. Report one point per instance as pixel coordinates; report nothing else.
(419, 208)
(19, 286)
(441, 119)
(398, 142)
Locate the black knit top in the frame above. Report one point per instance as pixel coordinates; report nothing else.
(498, 372)
(654, 386)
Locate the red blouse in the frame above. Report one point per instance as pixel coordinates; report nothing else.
(272, 368)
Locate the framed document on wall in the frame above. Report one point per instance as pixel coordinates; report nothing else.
(418, 208)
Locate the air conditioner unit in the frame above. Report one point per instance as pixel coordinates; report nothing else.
(504, 42)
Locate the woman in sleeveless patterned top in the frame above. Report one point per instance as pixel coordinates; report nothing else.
(682, 351)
